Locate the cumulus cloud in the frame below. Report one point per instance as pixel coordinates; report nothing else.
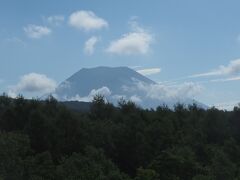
(136, 99)
(104, 91)
(149, 71)
(188, 89)
(64, 85)
(131, 43)
(232, 68)
(36, 32)
(163, 92)
(12, 94)
(87, 20)
(89, 46)
(34, 83)
(77, 97)
(227, 105)
(118, 97)
(136, 42)
(56, 20)
(142, 93)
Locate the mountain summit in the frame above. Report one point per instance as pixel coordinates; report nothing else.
(115, 83)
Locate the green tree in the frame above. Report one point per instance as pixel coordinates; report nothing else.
(93, 165)
(14, 149)
(146, 174)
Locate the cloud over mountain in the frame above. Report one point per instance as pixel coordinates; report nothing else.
(122, 82)
(149, 71)
(104, 91)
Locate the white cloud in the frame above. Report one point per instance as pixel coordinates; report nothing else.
(89, 46)
(12, 94)
(79, 98)
(131, 43)
(34, 83)
(227, 105)
(118, 97)
(36, 32)
(164, 92)
(104, 91)
(149, 71)
(188, 89)
(136, 42)
(161, 92)
(64, 85)
(141, 93)
(87, 20)
(133, 23)
(56, 20)
(232, 68)
(135, 67)
(136, 99)
(237, 78)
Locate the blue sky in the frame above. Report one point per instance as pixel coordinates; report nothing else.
(187, 41)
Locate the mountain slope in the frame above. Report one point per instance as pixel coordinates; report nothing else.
(118, 82)
(85, 80)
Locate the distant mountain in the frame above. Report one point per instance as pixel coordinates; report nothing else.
(77, 106)
(82, 82)
(115, 83)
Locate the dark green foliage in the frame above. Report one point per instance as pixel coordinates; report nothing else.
(45, 140)
(14, 149)
(146, 174)
(92, 165)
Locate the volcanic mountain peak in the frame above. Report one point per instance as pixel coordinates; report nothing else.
(119, 82)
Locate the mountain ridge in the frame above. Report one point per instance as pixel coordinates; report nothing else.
(115, 83)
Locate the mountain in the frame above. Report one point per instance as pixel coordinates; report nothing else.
(87, 79)
(115, 83)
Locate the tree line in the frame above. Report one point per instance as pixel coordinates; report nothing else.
(46, 140)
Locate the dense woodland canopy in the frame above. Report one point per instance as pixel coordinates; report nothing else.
(46, 140)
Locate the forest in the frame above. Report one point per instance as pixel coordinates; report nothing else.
(46, 140)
